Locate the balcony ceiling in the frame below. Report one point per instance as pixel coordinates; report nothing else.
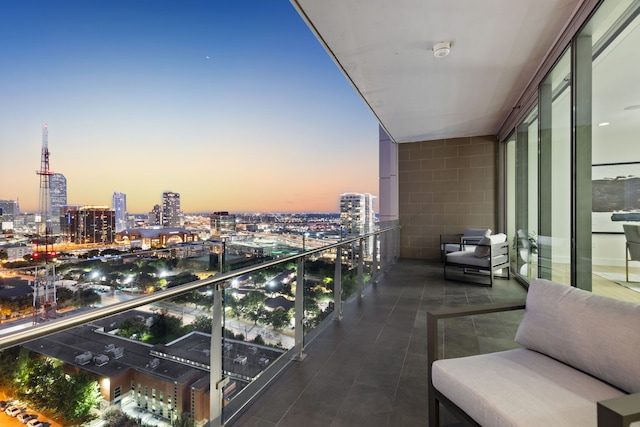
(384, 48)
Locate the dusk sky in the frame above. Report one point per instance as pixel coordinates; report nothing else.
(234, 105)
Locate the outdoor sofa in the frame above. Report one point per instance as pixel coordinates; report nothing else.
(578, 365)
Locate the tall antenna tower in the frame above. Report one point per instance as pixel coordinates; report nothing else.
(44, 205)
(44, 296)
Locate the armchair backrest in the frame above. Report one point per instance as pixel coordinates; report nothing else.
(632, 233)
(472, 236)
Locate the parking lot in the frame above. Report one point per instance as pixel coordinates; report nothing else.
(8, 420)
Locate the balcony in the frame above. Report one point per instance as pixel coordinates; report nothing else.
(370, 369)
(364, 366)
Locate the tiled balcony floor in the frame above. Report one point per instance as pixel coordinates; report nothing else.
(370, 369)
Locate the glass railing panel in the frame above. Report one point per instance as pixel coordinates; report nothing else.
(146, 337)
(149, 365)
(319, 285)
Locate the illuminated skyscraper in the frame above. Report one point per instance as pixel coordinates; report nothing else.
(120, 209)
(89, 224)
(222, 224)
(171, 215)
(155, 216)
(357, 216)
(58, 199)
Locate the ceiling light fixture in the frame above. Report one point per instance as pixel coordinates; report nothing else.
(604, 124)
(442, 49)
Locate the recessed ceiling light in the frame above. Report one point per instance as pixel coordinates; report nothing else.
(604, 124)
(632, 107)
(440, 50)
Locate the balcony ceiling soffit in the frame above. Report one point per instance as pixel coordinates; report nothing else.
(385, 49)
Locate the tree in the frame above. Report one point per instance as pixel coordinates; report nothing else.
(183, 421)
(88, 297)
(279, 318)
(203, 323)
(78, 394)
(165, 326)
(252, 305)
(133, 328)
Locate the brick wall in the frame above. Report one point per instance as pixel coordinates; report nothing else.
(446, 186)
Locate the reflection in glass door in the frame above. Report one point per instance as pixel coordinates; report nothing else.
(526, 197)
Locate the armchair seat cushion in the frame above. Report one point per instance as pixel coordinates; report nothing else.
(521, 387)
(469, 258)
(455, 247)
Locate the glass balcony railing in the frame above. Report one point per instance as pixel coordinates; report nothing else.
(162, 335)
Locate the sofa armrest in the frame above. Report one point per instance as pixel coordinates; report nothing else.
(445, 313)
(619, 411)
(432, 340)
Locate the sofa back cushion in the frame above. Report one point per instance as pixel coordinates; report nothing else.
(593, 333)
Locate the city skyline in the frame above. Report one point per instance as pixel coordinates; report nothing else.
(235, 107)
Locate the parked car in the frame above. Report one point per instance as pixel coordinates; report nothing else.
(13, 410)
(35, 423)
(25, 418)
(3, 405)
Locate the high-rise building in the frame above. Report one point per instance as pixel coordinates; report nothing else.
(8, 214)
(120, 209)
(89, 224)
(171, 215)
(58, 199)
(155, 216)
(222, 224)
(357, 216)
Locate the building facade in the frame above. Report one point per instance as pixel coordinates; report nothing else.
(171, 214)
(560, 177)
(58, 199)
(357, 216)
(120, 209)
(8, 214)
(155, 216)
(222, 224)
(89, 224)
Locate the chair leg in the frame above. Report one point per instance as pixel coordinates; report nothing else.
(626, 260)
(434, 411)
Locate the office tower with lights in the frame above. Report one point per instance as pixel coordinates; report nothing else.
(58, 199)
(171, 215)
(89, 224)
(222, 224)
(120, 209)
(357, 216)
(155, 216)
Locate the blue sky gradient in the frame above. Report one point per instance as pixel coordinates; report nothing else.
(234, 105)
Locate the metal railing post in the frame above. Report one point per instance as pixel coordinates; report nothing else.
(298, 353)
(215, 361)
(337, 285)
(361, 267)
(374, 264)
(384, 249)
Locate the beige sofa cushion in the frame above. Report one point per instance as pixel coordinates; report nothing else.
(596, 334)
(521, 388)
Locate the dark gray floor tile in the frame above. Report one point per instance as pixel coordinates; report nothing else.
(370, 369)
